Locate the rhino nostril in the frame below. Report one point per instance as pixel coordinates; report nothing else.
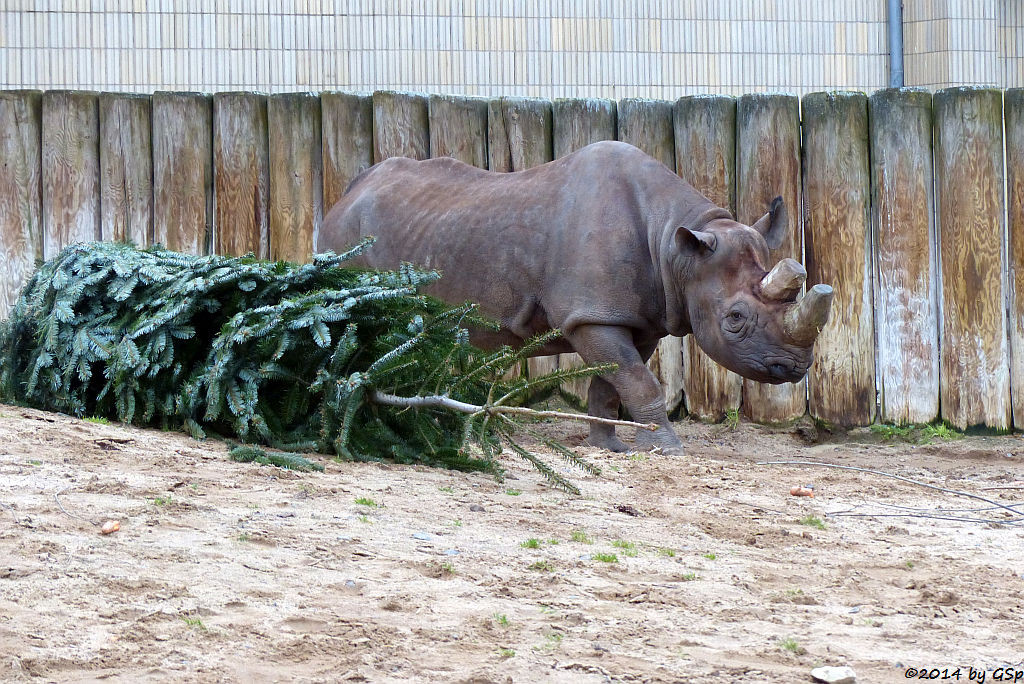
(779, 369)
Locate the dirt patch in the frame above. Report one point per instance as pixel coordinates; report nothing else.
(695, 568)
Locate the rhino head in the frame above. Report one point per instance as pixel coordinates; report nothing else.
(744, 313)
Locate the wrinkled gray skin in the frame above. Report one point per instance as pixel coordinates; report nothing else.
(606, 244)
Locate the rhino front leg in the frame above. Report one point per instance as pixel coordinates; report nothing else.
(603, 402)
(635, 384)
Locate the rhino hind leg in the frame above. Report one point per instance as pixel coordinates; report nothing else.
(603, 402)
(634, 383)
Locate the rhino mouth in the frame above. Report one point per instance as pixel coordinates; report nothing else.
(778, 371)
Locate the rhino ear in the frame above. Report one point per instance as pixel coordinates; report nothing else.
(695, 241)
(773, 225)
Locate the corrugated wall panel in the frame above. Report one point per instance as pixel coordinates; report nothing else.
(655, 48)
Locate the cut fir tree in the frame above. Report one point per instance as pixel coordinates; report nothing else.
(314, 357)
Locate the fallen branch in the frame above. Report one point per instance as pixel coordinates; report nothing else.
(957, 492)
(440, 401)
(56, 497)
(986, 521)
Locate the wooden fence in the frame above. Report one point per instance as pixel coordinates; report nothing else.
(898, 199)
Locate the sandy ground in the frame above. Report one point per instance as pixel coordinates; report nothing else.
(230, 572)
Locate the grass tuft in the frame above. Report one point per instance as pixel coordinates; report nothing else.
(792, 645)
(581, 537)
(812, 521)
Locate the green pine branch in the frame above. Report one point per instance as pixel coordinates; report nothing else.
(294, 357)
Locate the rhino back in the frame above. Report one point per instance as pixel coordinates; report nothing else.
(562, 244)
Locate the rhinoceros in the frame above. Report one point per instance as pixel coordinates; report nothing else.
(606, 244)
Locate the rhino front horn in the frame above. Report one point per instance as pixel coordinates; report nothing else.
(784, 281)
(808, 316)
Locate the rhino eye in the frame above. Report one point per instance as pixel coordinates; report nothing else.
(736, 319)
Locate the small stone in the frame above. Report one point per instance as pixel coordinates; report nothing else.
(422, 536)
(476, 508)
(835, 675)
(451, 552)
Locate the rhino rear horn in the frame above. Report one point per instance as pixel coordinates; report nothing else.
(784, 281)
(807, 317)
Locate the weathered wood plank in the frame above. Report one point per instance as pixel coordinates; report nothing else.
(647, 124)
(837, 234)
(241, 174)
(458, 128)
(296, 180)
(182, 171)
(71, 169)
(705, 143)
(518, 138)
(903, 211)
(400, 125)
(347, 132)
(1013, 102)
(768, 166)
(577, 123)
(518, 133)
(126, 168)
(21, 233)
(974, 380)
(499, 150)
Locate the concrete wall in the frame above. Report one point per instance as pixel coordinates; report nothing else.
(548, 48)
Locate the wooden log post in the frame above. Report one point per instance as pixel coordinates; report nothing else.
(241, 174)
(126, 168)
(499, 147)
(458, 128)
(903, 225)
(182, 171)
(347, 141)
(1013, 102)
(518, 138)
(71, 169)
(705, 142)
(518, 133)
(21, 234)
(974, 379)
(400, 125)
(647, 124)
(296, 180)
(768, 166)
(837, 234)
(577, 123)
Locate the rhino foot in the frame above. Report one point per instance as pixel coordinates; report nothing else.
(670, 450)
(663, 439)
(609, 442)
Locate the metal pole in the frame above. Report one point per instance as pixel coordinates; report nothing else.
(895, 43)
